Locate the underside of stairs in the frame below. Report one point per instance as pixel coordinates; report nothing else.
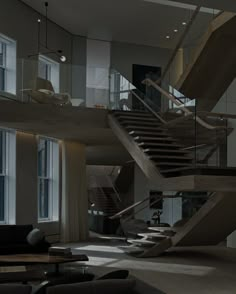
(213, 66)
(213, 222)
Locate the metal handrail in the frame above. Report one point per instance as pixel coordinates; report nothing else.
(172, 98)
(148, 107)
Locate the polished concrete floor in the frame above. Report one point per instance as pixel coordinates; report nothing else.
(189, 270)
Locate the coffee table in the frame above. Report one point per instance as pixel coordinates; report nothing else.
(40, 259)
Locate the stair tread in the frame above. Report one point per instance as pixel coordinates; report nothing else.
(141, 242)
(165, 150)
(174, 169)
(141, 122)
(135, 113)
(140, 133)
(136, 118)
(170, 157)
(152, 235)
(155, 128)
(154, 138)
(173, 163)
(160, 144)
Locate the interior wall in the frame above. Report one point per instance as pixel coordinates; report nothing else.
(97, 80)
(124, 55)
(19, 22)
(227, 104)
(27, 184)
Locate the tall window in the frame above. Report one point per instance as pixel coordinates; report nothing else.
(7, 176)
(7, 65)
(48, 174)
(2, 65)
(2, 175)
(49, 70)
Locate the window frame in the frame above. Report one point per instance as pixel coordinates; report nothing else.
(52, 176)
(52, 73)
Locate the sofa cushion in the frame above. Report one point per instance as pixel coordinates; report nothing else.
(95, 287)
(15, 289)
(34, 237)
(14, 233)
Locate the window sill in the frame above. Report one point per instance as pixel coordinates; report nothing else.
(7, 95)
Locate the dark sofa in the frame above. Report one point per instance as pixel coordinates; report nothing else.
(13, 240)
(129, 286)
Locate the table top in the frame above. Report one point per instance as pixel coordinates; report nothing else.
(23, 259)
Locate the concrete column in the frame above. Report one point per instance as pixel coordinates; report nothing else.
(74, 206)
(26, 180)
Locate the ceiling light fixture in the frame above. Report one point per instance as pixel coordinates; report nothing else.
(184, 23)
(50, 51)
(175, 30)
(167, 37)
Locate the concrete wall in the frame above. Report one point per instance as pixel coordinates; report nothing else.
(227, 104)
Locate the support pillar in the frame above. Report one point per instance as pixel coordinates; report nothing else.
(74, 206)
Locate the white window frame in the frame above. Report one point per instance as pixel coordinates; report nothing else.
(54, 75)
(53, 182)
(9, 65)
(9, 173)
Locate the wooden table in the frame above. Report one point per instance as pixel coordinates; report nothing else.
(39, 259)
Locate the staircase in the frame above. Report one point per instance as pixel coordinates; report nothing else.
(213, 66)
(149, 143)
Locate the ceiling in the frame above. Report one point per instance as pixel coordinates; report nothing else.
(141, 22)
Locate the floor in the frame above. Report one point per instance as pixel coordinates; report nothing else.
(180, 271)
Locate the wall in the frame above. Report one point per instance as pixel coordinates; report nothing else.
(227, 104)
(19, 22)
(97, 81)
(124, 55)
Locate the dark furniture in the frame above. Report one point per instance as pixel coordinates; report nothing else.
(15, 289)
(128, 286)
(13, 240)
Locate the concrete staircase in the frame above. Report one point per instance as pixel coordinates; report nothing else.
(213, 64)
(149, 142)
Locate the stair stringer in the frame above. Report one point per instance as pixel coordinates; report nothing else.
(195, 81)
(213, 222)
(149, 169)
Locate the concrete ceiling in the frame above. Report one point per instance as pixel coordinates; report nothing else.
(132, 21)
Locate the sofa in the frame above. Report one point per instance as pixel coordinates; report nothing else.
(15, 289)
(13, 240)
(114, 286)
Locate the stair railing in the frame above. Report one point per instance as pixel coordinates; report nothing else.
(179, 104)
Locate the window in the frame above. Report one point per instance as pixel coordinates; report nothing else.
(7, 65)
(2, 175)
(2, 65)
(48, 179)
(7, 177)
(49, 70)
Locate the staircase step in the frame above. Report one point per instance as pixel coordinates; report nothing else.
(158, 145)
(172, 170)
(132, 113)
(175, 157)
(151, 151)
(147, 133)
(150, 139)
(137, 118)
(142, 128)
(132, 250)
(163, 163)
(153, 236)
(141, 242)
(139, 123)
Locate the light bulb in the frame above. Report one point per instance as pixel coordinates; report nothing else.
(175, 30)
(184, 23)
(63, 58)
(167, 37)
(39, 20)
